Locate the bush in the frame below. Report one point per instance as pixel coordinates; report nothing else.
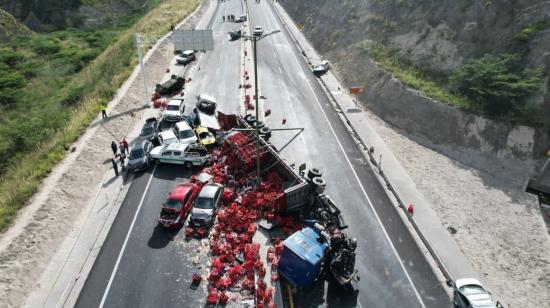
(495, 84)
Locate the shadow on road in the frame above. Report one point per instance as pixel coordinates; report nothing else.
(334, 296)
(161, 237)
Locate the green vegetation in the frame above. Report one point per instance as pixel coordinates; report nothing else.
(52, 88)
(9, 26)
(531, 30)
(411, 75)
(492, 85)
(495, 84)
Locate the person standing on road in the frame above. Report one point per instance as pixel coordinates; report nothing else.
(121, 148)
(126, 146)
(122, 166)
(115, 167)
(103, 109)
(114, 147)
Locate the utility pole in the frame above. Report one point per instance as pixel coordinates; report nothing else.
(256, 126)
(142, 67)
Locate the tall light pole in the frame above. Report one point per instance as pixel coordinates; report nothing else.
(255, 39)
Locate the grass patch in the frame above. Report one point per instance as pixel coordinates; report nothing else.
(411, 75)
(63, 88)
(527, 33)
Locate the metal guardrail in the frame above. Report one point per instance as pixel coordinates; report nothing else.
(449, 279)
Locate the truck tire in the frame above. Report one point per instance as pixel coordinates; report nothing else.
(319, 184)
(156, 161)
(259, 124)
(265, 132)
(251, 120)
(314, 172)
(188, 164)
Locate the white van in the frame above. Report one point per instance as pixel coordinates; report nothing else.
(184, 132)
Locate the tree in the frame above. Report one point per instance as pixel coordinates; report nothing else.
(495, 83)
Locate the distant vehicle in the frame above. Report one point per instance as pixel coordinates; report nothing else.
(139, 158)
(188, 155)
(186, 57)
(184, 132)
(258, 31)
(173, 85)
(241, 18)
(321, 68)
(206, 112)
(235, 34)
(470, 293)
(178, 204)
(150, 129)
(167, 137)
(205, 136)
(206, 205)
(174, 110)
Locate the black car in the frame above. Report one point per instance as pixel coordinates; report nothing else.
(173, 85)
(150, 129)
(235, 35)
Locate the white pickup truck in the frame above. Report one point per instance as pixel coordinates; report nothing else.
(188, 155)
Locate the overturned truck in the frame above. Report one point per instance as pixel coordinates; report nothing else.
(321, 244)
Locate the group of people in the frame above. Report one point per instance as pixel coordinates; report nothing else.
(230, 17)
(124, 149)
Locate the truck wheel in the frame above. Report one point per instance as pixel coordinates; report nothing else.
(188, 164)
(251, 120)
(266, 132)
(156, 161)
(259, 124)
(319, 184)
(314, 172)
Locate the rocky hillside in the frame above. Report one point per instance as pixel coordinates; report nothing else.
(437, 36)
(59, 14)
(9, 26)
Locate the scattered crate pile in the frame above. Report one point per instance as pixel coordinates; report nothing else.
(237, 272)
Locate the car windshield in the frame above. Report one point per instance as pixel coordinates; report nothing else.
(187, 134)
(172, 108)
(147, 131)
(173, 204)
(204, 135)
(136, 153)
(170, 140)
(204, 203)
(472, 290)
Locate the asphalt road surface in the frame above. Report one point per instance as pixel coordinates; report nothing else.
(156, 265)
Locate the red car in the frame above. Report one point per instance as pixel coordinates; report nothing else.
(178, 204)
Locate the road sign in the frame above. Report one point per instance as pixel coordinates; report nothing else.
(355, 90)
(193, 40)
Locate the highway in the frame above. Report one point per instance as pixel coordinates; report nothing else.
(141, 265)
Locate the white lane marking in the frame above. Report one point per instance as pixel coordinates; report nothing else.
(362, 188)
(126, 241)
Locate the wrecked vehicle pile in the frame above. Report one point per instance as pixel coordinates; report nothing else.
(286, 205)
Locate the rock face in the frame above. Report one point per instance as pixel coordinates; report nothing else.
(58, 14)
(437, 36)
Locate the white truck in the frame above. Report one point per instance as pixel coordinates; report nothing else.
(188, 155)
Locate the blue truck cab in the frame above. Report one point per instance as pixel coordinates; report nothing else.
(302, 257)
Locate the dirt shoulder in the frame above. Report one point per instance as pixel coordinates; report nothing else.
(498, 226)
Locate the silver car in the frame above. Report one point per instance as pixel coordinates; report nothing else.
(139, 158)
(470, 293)
(205, 206)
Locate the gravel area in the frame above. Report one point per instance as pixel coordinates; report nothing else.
(498, 226)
